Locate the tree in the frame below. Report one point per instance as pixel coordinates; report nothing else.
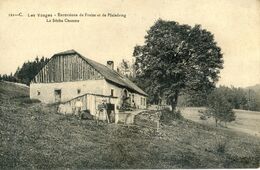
(235, 96)
(29, 70)
(126, 68)
(193, 99)
(10, 78)
(252, 99)
(177, 59)
(219, 107)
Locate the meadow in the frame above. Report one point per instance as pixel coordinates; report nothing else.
(34, 136)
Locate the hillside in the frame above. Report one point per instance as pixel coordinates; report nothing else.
(9, 90)
(253, 94)
(255, 88)
(34, 136)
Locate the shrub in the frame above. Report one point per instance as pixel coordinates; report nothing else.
(178, 115)
(221, 147)
(168, 116)
(203, 117)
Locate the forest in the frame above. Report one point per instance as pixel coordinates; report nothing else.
(27, 72)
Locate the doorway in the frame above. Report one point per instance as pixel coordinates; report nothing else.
(57, 95)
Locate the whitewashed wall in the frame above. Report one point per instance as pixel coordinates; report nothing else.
(69, 90)
(137, 99)
(117, 92)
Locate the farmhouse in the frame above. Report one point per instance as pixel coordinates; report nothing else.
(69, 76)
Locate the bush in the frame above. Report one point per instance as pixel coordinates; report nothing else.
(221, 147)
(203, 117)
(178, 115)
(168, 116)
(85, 115)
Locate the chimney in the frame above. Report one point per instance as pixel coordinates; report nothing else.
(110, 64)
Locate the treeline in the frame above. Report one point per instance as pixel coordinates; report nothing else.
(6, 77)
(27, 72)
(239, 98)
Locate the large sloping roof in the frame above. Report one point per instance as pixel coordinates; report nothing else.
(108, 73)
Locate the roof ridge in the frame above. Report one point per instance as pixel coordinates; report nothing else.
(72, 51)
(108, 73)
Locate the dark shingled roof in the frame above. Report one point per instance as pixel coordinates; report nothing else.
(108, 73)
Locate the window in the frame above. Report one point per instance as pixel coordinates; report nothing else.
(38, 93)
(112, 92)
(143, 102)
(78, 91)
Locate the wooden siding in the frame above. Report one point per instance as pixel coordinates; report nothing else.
(66, 68)
(90, 102)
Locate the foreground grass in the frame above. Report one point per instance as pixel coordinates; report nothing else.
(33, 136)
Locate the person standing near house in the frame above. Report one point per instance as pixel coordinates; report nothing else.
(78, 107)
(133, 104)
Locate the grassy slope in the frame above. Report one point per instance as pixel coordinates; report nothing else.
(10, 90)
(33, 136)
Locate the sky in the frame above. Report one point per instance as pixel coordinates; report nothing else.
(234, 23)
